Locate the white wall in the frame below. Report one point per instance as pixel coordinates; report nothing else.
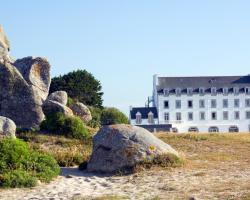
(144, 122)
(223, 125)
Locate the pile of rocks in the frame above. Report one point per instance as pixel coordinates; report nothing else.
(24, 89)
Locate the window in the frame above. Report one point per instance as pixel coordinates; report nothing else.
(190, 116)
(202, 103)
(213, 90)
(202, 115)
(247, 114)
(166, 92)
(201, 91)
(233, 129)
(166, 117)
(213, 129)
(138, 118)
(178, 116)
(236, 115)
(225, 91)
(247, 103)
(236, 103)
(151, 118)
(193, 129)
(166, 104)
(189, 91)
(236, 90)
(213, 115)
(225, 103)
(178, 104)
(190, 104)
(225, 115)
(178, 91)
(213, 103)
(247, 90)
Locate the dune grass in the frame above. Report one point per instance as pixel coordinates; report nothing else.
(68, 152)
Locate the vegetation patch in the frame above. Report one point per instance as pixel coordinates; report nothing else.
(71, 127)
(113, 116)
(67, 151)
(21, 166)
(167, 160)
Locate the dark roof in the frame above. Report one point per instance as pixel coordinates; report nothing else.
(206, 82)
(144, 112)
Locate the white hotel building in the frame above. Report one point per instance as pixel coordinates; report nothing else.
(197, 104)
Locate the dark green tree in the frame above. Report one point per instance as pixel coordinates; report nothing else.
(80, 85)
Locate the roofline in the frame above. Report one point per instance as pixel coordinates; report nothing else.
(163, 76)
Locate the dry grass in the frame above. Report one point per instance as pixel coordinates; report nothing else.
(67, 152)
(223, 156)
(217, 166)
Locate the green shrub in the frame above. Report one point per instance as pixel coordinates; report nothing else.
(22, 167)
(54, 122)
(113, 116)
(72, 127)
(70, 101)
(17, 178)
(45, 166)
(96, 117)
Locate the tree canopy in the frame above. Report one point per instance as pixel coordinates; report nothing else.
(80, 85)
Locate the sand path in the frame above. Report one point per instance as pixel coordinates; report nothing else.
(164, 184)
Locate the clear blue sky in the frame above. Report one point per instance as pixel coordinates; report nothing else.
(123, 43)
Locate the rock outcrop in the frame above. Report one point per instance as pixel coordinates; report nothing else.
(50, 106)
(4, 47)
(7, 127)
(24, 85)
(118, 147)
(36, 72)
(59, 96)
(82, 111)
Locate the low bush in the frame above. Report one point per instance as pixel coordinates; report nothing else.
(21, 166)
(167, 160)
(67, 151)
(72, 127)
(17, 178)
(113, 116)
(96, 117)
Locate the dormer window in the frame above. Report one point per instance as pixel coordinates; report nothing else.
(166, 91)
(225, 91)
(236, 90)
(201, 91)
(151, 118)
(178, 91)
(247, 90)
(138, 118)
(189, 91)
(213, 91)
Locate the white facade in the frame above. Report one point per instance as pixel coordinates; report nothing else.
(143, 122)
(203, 110)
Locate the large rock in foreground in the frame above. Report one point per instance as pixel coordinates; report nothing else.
(24, 86)
(82, 111)
(7, 127)
(21, 96)
(118, 147)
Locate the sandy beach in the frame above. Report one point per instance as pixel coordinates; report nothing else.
(163, 184)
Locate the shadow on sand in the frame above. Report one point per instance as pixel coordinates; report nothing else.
(74, 171)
